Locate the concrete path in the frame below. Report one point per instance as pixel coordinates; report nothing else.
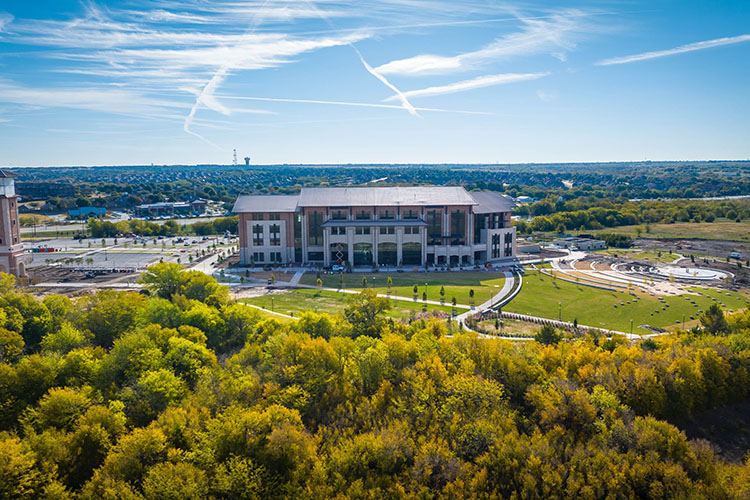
(268, 310)
(510, 280)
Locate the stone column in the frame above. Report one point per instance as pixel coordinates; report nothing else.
(374, 235)
(350, 244)
(399, 245)
(304, 238)
(326, 246)
(423, 239)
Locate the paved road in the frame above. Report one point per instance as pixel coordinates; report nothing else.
(510, 280)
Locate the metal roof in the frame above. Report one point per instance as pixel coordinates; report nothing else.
(266, 203)
(385, 196)
(489, 202)
(5, 174)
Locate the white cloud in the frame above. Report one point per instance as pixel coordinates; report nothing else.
(474, 83)
(5, 19)
(691, 47)
(556, 34)
(547, 95)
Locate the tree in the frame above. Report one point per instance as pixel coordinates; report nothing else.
(319, 283)
(548, 335)
(162, 279)
(713, 320)
(364, 281)
(442, 293)
(389, 284)
(364, 313)
(109, 314)
(471, 296)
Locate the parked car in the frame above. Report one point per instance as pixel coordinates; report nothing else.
(338, 268)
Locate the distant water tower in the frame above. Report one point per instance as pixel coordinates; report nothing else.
(12, 259)
(247, 161)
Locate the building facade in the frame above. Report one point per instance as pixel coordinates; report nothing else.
(12, 258)
(195, 207)
(365, 227)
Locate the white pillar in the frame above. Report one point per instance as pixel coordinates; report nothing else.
(399, 245)
(374, 231)
(326, 246)
(350, 244)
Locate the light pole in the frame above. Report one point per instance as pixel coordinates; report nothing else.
(559, 311)
(631, 327)
(683, 321)
(272, 309)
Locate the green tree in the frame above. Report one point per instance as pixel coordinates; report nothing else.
(163, 279)
(364, 312)
(713, 320)
(548, 335)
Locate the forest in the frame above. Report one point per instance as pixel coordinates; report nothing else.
(179, 392)
(591, 213)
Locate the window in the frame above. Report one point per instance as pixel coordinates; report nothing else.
(410, 214)
(314, 231)
(339, 214)
(411, 230)
(387, 214)
(479, 225)
(388, 230)
(257, 215)
(495, 246)
(434, 227)
(275, 256)
(275, 232)
(458, 227)
(257, 235)
(258, 256)
(274, 216)
(338, 231)
(362, 215)
(314, 255)
(362, 230)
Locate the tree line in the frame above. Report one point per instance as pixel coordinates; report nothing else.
(180, 392)
(102, 228)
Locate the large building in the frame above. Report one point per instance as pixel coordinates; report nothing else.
(393, 226)
(12, 258)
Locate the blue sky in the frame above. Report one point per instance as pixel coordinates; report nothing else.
(433, 81)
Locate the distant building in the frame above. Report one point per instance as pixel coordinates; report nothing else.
(572, 242)
(195, 207)
(12, 258)
(525, 199)
(394, 226)
(86, 212)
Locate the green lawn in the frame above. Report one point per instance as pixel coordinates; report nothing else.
(325, 301)
(457, 284)
(593, 307)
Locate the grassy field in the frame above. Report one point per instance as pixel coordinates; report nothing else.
(457, 284)
(295, 302)
(593, 307)
(511, 327)
(719, 230)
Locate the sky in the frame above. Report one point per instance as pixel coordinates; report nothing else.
(376, 81)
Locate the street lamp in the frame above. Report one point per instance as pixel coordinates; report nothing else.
(272, 309)
(631, 327)
(559, 311)
(683, 321)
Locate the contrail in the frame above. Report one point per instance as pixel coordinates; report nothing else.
(215, 81)
(404, 101)
(345, 103)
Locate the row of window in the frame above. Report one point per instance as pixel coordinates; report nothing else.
(261, 215)
(341, 231)
(260, 257)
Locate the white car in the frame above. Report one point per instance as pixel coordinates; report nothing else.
(338, 268)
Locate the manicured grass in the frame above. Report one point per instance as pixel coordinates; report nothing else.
(593, 307)
(719, 230)
(511, 328)
(457, 284)
(297, 301)
(664, 257)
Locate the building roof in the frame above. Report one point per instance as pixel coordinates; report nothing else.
(266, 203)
(489, 202)
(384, 196)
(5, 174)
